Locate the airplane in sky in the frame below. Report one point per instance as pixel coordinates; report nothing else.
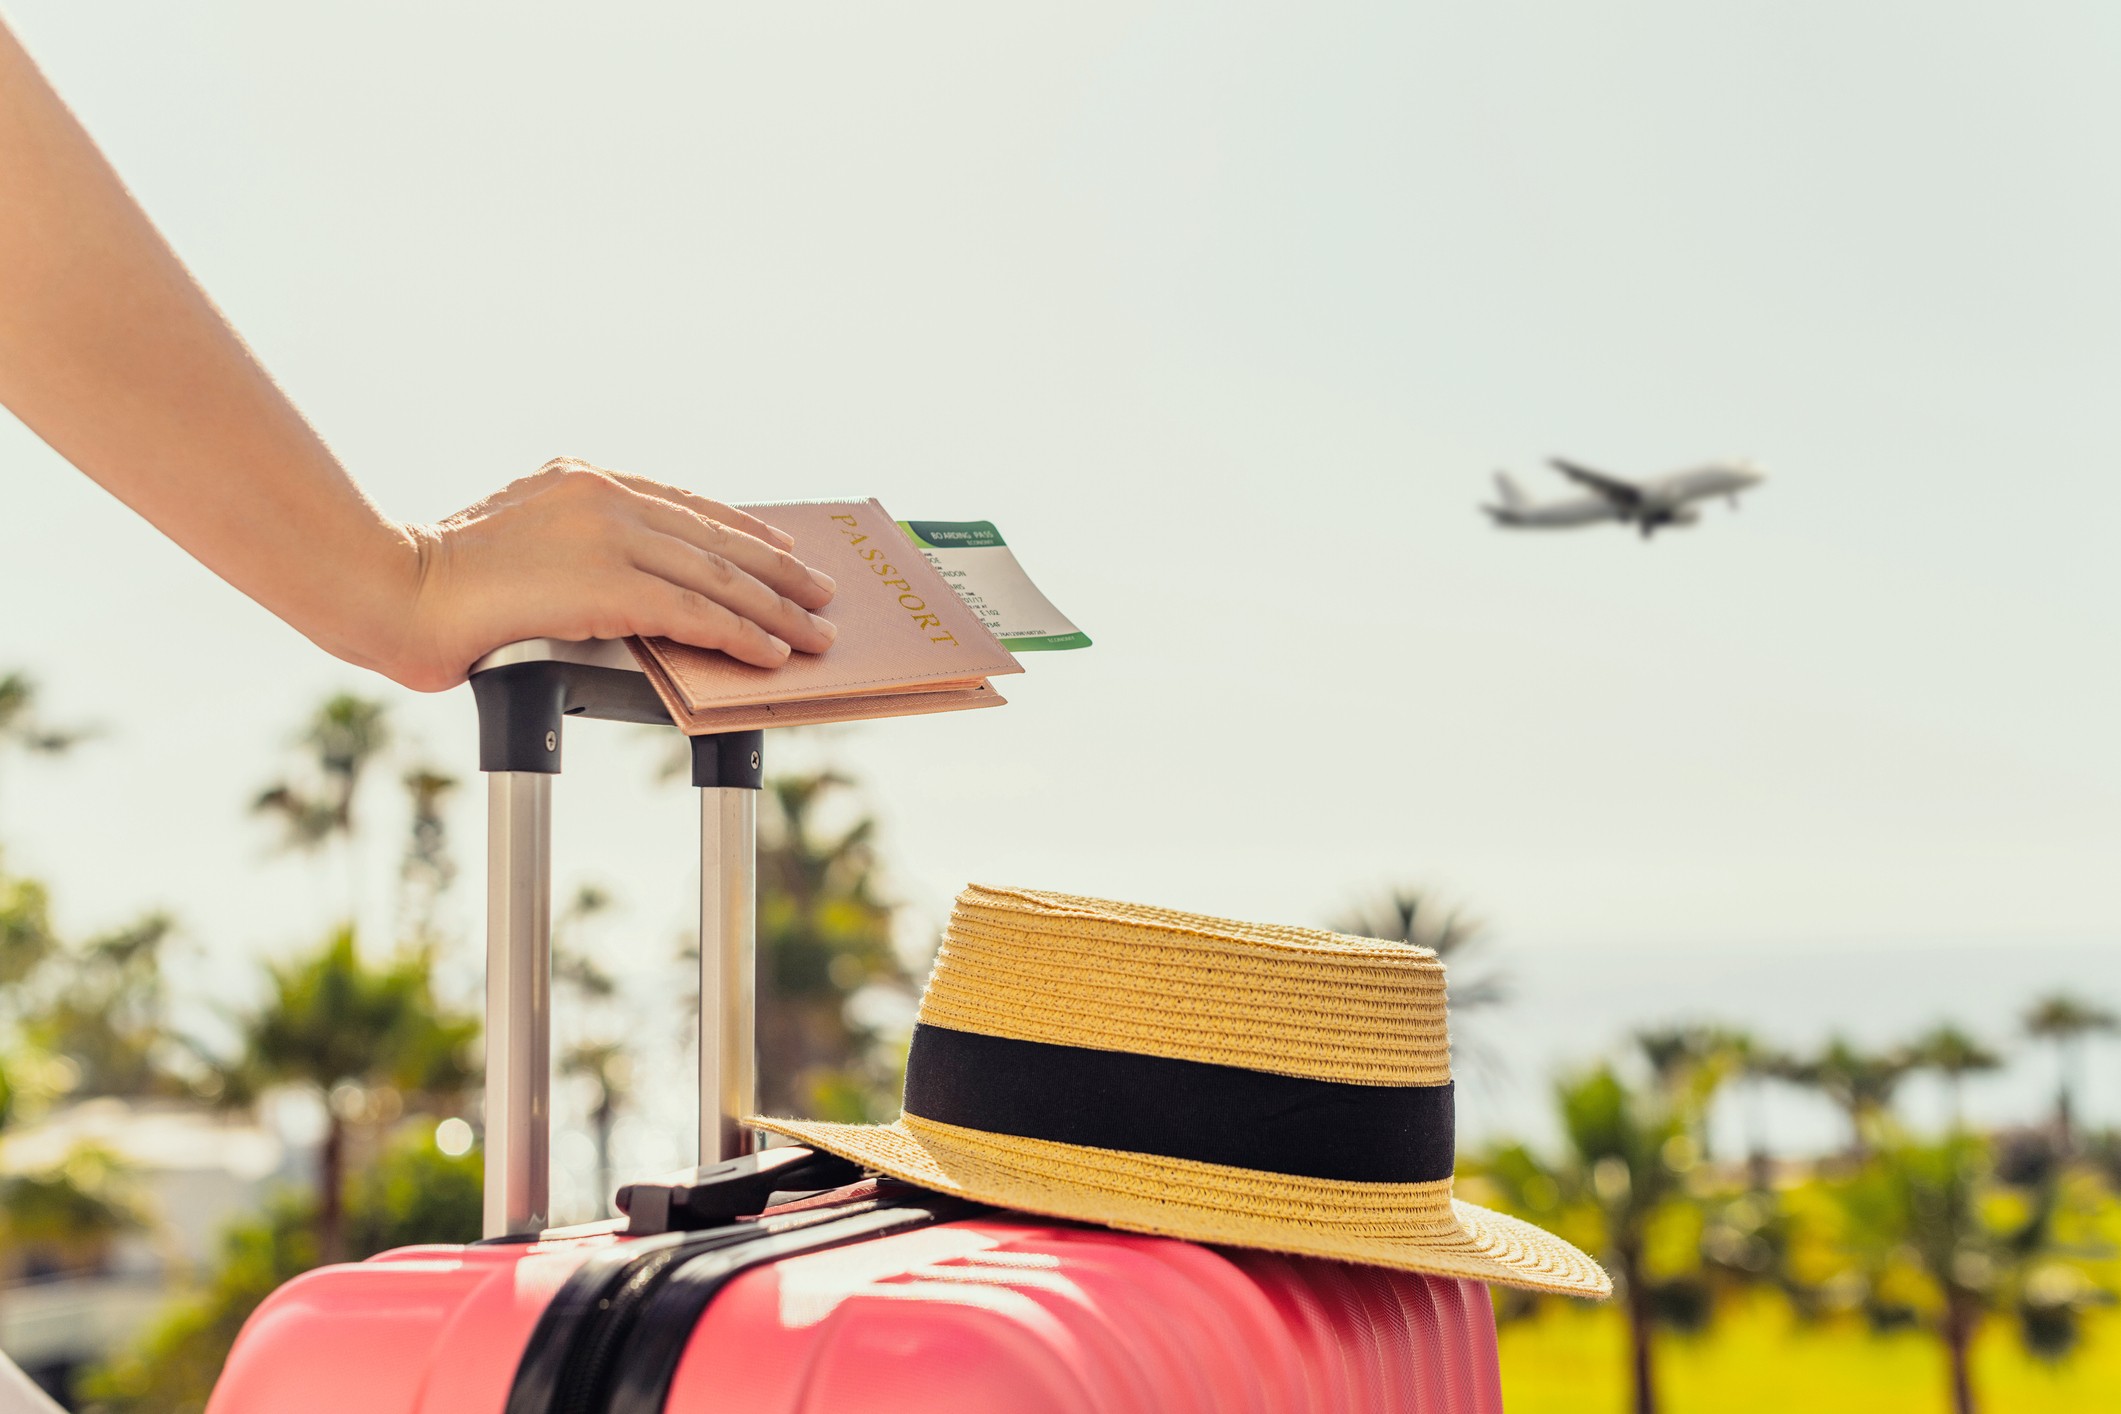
(1663, 500)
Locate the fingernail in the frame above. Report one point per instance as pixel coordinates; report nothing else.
(826, 627)
(777, 643)
(824, 581)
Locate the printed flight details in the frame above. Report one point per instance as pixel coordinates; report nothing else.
(973, 559)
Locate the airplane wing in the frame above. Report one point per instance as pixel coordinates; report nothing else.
(1624, 494)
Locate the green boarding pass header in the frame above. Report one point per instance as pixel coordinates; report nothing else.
(953, 534)
(974, 560)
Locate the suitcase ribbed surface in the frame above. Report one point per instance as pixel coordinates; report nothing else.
(994, 1313)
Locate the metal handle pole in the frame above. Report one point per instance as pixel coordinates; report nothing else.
(728, 963)
(518, 1001)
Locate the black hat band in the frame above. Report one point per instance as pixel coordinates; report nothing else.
(1181, 1109)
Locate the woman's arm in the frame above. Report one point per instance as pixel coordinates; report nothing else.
(113, 355)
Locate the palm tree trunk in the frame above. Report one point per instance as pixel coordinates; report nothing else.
(1756, 1162)
(1959, 1318)
(331, 1184)
(1640, 1330)
(2065, 1106)
(602, 1117)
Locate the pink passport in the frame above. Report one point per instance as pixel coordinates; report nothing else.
(906, 644)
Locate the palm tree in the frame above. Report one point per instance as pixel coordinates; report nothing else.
(572, 966)
(1860, 1082)
(824, 935)
(70, 1212)
(1953, 1054)
(22, 728)
(428, 869)
(1917, 1220)
(1619, 1170)
(110, 1015)
(1413, 916)
(1752, 1062)
(603, 1062)
(26, 937)
(2066, 1021)
(68, 1215)
(345, 735)
(341, 1027)
(315, 808)
(1410, 915)
(1689, 1064)
(608, 1067)
(27, 940)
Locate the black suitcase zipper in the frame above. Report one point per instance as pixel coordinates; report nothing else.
(610, 1340)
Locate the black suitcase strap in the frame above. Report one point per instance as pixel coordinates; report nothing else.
(611, 1338)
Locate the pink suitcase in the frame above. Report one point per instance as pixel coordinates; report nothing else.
(752, 1284)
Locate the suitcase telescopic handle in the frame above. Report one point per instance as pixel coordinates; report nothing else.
(525, 693)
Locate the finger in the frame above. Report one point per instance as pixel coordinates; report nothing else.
(671, 611)
(766, 563)
(726, 583)
(699, 505)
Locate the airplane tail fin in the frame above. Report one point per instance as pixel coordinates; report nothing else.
(1513, 496)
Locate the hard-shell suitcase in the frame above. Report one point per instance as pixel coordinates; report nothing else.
(755, 1283)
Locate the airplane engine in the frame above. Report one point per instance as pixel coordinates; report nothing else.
(1651, 517)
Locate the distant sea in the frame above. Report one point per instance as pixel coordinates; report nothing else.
(1570, 1005)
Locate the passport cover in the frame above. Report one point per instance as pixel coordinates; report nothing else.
(907, 644)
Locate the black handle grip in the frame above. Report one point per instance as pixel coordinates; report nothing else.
(719, 1193)
(524, 707)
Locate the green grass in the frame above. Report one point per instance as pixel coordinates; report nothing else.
(1757, 1358)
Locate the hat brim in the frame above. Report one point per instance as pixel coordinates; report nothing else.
(1415, 1227)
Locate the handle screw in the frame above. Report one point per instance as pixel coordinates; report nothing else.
(754, 760)
(552, 741)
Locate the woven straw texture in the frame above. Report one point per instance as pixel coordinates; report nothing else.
(1116, 977)
(1293, 1001)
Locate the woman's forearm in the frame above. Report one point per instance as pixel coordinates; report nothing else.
(111, 353)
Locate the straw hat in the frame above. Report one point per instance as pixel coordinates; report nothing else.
(1236, 1083)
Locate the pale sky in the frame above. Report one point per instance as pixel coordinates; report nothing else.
(1224, 313)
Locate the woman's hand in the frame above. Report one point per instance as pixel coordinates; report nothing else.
(114, 356)
(575, 551)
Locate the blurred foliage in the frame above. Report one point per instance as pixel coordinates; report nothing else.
(1998, 1243)
(1615, 1188)
(1942, 1238)
(1414, 917)
(22, 725)
(314, 807)
(108, 1013)
(2067, 1021)
(414, 1193)
(370, 1039)
(331, 1017)
(355, 1033)
(1860, 1082)
(1929, 1239)
(825, 936)
(428, 869)
(76, 1021)
(1953, 1054)
(598, 1055)
(65, 1217)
